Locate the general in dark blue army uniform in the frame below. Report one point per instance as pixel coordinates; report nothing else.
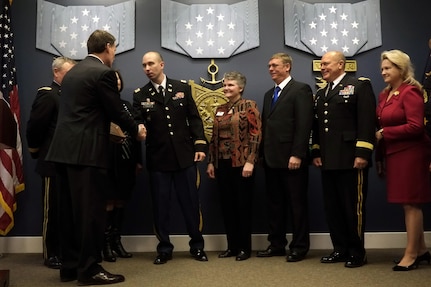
(343, 141)
(40, 130)
(174, 144)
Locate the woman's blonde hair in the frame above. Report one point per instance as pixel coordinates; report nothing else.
(402, 61)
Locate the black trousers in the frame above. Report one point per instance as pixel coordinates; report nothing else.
(50, 227)
(287, 196)
(82, 217)
(184, 183)
(236, 195)
(344, 195)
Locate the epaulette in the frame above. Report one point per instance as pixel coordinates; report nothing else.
(45, 89)
(364, 79)
(137, 90)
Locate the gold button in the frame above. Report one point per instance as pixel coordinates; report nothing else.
(326, 129)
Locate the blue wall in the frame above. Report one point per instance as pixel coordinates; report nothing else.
(404, 27)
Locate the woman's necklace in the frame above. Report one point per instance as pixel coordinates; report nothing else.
(233, 105)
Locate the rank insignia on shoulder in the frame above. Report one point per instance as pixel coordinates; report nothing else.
(45, 89)
(363, 79)
(184, 81)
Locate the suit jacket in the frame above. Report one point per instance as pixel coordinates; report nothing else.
(90, 101)
(175, 129)
(286, 127)
(404, 129)
(244, 134)
(41, 127)
(344, 125)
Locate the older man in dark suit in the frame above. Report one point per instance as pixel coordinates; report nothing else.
(175, 142)
(286, 125)
(90, 101)
(343, 141)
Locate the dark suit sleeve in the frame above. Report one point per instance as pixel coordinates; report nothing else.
(315, 136)
(366, 111)
(303, 121)
(112, 103)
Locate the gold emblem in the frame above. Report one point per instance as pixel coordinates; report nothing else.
(208, 99)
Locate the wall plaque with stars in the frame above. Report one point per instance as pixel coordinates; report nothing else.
(322, 27)
(64, 30)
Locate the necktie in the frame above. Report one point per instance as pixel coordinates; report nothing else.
(161, 90)
(330, 85)
(275, 96)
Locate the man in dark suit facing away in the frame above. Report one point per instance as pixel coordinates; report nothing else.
(286, 125)
(90, 101)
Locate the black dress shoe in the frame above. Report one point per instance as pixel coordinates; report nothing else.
(295, 256)
(227, 253)
(101, 278)
(242, 255)
(355, 261)
(405, 268)
(53, 262)
(67, 275)
(270, 251)
(162, 258)
(199, 254)
(334, 257)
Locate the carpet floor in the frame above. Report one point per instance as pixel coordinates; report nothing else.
(182, 271)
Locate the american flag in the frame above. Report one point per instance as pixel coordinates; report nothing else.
(11, 175)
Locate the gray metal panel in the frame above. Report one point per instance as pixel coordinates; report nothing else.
(64, 30)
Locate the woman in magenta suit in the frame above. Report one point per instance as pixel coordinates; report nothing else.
(405, 148)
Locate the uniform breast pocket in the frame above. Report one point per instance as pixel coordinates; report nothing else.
(347, 99)
(178, 103)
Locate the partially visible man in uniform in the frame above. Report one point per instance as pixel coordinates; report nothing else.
(343, 141)
(175, 143)
(40, 130)
(287, 118)
(426, 82)
(90, 101)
